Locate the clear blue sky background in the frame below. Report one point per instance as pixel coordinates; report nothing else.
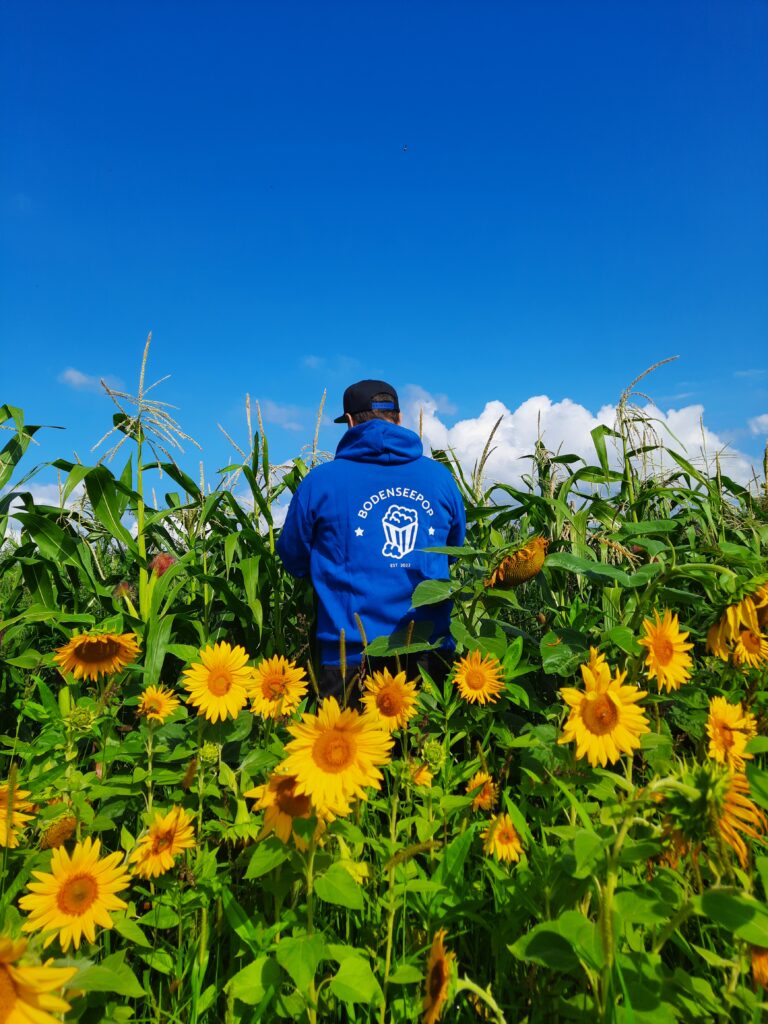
(490, 200)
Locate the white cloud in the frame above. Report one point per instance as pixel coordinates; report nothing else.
(84, 381)
(289, 417)
(564, 426)
(750, 374)
(759, 424)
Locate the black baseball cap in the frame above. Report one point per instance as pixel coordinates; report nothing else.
(359, 398)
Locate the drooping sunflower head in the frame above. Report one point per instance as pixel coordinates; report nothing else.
(282, 805)
(335, 755)
(218, 687)
(157, 703)
(440, 967)
(479, 678)
(501, 839)
(710, 803)
(521, 565)
(168, 835)
(667, 660)
(76, 895)
(91, 655)
(58, 831)
(604, 722)
(26, 989)
(277, 687)
(485, 791)
(13, 813)
(759, 962)
(390, 698)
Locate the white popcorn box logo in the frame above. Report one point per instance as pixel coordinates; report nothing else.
(400, 528)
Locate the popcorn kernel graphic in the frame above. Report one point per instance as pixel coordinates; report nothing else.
(400, 528)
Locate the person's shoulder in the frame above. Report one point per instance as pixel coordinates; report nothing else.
(440, 472)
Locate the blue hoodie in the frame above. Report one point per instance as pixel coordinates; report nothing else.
(357, 527)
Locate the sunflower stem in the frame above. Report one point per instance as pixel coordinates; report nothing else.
(467, 985)
(391, 904)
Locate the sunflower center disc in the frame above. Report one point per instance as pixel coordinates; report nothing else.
(219, 682)
(7, 994)
(273, 688)
(663, 650)
(152, 707)
(436, 980)
(475, 679)
(94, 651)
(332, 752)
(77, 894)
(726, 735)
(600, 715)
(751, 641)
(388, 704)
(163, 841)
(296, 806)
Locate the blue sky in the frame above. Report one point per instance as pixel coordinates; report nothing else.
(485, 201)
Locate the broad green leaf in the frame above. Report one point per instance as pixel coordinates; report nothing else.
(267, 855)
(300, 957)
(339, 887)
(433, 592)
(355, 982)
(251, 984)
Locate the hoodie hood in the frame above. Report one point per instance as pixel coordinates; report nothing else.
(381, 442)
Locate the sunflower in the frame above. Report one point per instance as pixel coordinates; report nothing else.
(76, 895)
(667, 660)
(58, 831)
(334, 755)
(157, 703)
(91, 655)
(501, 839)
(282, 806)
(750, 649)
(604, 720)
(477, 678)
(219, 687)
(521, 565)
(597, 672)
(487, 792)
(168, 835)
(25, 989)
(759, 961)
(738, 814)
(390, 699)
(13, 816)
(749, 616)
(729, 728)
(420, 773)
(439, 970)
(278, 686)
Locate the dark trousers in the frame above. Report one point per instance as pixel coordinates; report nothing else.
(331, 683)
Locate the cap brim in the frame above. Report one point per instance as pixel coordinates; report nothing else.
(341, 419)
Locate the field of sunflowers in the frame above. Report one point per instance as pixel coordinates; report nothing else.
(569, 828)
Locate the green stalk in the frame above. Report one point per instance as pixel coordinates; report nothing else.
(391, 907)
(467, 985)
(141, 539)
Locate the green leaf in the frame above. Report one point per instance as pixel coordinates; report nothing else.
(406, 974)
(339, 887)
(562, 652)
(738, 913)
(582, 566)
(544, 945)
(251, 984)
(433, 592)
(624, 639)
(102, 490)
(130, 930)
(267, 855)
(299, 956)
(111, 975)
(158, 634)
(355, 983)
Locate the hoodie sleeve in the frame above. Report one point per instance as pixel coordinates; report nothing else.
(295, 541)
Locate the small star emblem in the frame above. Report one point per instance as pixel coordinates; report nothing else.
(359, 532)
(431, 531)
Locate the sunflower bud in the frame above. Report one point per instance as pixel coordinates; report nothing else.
(209, 753)
(434, 755)
(81, 719)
